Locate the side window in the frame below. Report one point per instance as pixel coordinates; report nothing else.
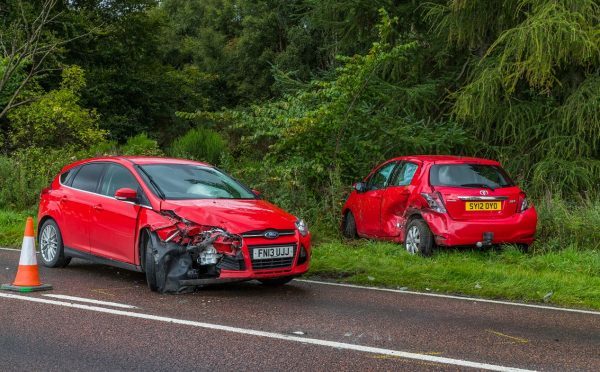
(87, 177)
(117, 177)
(64, 176)
(380, 178)
(405, 173)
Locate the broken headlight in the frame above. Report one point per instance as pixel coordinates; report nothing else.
(209, 256)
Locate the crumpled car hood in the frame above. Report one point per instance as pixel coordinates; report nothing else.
(236, 216)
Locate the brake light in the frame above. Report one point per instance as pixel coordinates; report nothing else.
(434, 200)
(523, 203)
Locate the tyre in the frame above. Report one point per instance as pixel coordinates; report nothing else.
(349, 228)
(149, 265)
(277, 281)
(523, 248)
(419, 238)
(52, 250)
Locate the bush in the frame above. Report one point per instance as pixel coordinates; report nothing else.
(200, 144)
(568, 224)
(27, 171)
(141, 145)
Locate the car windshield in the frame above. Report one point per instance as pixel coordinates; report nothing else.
(469, 175)
(188, 181)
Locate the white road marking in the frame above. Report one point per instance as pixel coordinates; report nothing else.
(11, 249)
(439, 295)
(277, 336)
(91, 301)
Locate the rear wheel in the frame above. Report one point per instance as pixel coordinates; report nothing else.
(276, 281)
(419, 238)
(349, 228)
(52, 251)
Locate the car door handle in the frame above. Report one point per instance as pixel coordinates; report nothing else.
(98, 207)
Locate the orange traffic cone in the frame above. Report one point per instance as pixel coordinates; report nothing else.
(28, 276)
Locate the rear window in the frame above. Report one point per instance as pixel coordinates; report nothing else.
(469, 175)
(87, 177)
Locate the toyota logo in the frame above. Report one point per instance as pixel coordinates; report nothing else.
(483, 192)
(271, 234)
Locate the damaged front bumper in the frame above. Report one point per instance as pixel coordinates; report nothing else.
(185, 255)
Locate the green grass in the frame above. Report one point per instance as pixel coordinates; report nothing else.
(573, 276)
(12, 227)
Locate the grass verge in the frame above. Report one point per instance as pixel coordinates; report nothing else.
(568, 277)
(12, 227)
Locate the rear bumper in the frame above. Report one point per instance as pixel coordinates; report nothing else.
(517, 229)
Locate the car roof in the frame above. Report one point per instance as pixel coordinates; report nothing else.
(447, 159)
(140, 160)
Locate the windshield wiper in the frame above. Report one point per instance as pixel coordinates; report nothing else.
(477, 185)
(160, 193)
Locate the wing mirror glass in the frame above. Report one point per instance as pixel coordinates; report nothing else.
(360, 187)
(126, 194)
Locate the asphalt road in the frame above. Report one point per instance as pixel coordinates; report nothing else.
(300, 326)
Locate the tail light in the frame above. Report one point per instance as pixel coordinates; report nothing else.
(434, 200)
(523, 203)
(45, 191)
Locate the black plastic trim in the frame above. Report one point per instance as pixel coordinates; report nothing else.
(70, 252)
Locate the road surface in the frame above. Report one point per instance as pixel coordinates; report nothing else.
(103, 318)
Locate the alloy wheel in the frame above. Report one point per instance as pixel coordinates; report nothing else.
(49, 243)
(413, 240)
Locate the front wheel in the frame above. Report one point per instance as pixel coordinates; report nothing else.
(276, 281)
(419, 238)
(52, 251)
(150, 265)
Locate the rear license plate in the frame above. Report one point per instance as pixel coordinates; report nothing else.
(483, 206)
(272, 252)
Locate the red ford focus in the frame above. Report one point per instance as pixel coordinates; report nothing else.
(183, 223)
(439, 200)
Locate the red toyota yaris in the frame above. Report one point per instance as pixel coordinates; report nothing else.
(439, 200)
(183, 223)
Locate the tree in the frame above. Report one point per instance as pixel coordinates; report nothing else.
(25, 45)
(533, 85)
(56, 119)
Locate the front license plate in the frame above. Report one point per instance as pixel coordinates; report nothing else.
(273, 252)
(483, 206)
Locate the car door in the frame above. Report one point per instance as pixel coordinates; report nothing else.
(369, 214)
(114, 226)
(395, 198)
(76, 206)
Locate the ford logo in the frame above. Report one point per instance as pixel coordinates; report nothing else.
(271, 234)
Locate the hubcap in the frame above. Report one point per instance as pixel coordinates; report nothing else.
(413, 240)
(49, 243)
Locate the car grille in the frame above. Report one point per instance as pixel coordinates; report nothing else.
(271, 263)
(261, 233)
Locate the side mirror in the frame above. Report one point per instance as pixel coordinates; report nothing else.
(360, 187)
(257, 193)
(126, 194)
